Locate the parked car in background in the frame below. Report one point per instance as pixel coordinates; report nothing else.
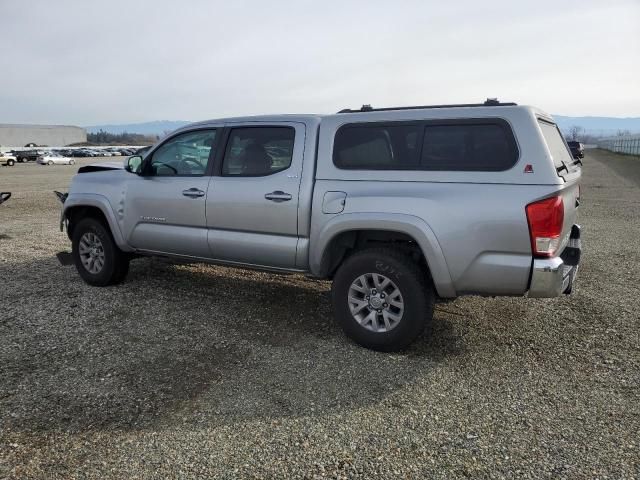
(100, 152)
(398, 206)
(24, 156)
(577, 149)
(86, 152)
(7, 159)
(55, 159)
(65, 152)
(142, 151)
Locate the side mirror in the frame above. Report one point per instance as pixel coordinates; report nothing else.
(133, 164)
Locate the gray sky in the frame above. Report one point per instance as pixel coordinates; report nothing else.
(85, 62)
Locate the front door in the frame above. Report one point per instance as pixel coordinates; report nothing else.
(252, 201)
(164, 208)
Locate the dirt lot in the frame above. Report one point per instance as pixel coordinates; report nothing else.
(193, 371)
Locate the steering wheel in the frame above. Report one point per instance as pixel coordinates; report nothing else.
(157, 164)
(187, 161)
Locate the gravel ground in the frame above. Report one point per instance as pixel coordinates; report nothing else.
(200, 371)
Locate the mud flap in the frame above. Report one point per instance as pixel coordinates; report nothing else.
(65, 258)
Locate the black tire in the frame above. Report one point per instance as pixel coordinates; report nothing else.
(116, 262)
(415, 287)
(10, 163)
(22, 160)
(72, 162)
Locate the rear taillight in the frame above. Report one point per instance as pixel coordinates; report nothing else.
(545, 225)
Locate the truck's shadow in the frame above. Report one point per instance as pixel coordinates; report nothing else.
(185, 344)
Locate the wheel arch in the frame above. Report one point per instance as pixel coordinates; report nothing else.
(351, 232)
(95, 206)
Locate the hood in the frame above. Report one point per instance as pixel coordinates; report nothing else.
(101, 167)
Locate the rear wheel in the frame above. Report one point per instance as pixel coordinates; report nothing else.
(72, 162)
(98, 259)
(50, 162)
(382, 299)
(10, 163)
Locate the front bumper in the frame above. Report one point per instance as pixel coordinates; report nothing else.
(551, 277)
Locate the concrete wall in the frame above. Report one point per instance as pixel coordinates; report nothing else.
(50, 135)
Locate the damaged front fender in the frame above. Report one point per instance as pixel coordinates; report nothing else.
(63, 220)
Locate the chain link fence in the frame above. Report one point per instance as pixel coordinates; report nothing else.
(629, 144)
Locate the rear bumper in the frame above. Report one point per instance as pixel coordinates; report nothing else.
(551, 277)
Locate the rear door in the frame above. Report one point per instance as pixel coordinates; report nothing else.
(568, 168)
(252, 202)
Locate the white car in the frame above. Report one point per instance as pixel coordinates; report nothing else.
(7, 159)
(55, 159)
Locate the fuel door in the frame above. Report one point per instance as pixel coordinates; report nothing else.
(333, 202)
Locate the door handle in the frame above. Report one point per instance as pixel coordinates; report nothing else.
(278, 196)
(193, 193)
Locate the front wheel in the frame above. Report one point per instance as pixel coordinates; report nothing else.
(10, 163)
(98, 259)
(72, 162)
(382, 299)
(50, 162)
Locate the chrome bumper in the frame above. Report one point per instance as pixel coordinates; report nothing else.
(551, 277)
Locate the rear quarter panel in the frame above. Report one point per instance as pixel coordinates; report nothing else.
(481, 229)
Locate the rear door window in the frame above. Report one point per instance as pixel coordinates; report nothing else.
(258, 151)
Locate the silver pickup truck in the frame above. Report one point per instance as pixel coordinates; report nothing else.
(398, 206)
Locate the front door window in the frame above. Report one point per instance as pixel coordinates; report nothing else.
(187, 154)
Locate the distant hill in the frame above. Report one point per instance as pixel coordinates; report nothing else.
(598, 126)
(157, 127)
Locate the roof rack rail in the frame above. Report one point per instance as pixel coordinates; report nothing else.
(489, 102)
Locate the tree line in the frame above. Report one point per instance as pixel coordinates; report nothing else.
(577, 133)
(125, 138)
